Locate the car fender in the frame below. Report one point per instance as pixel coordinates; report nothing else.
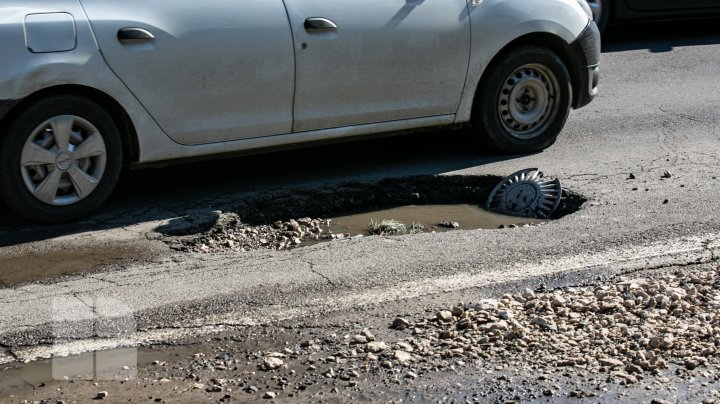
(497, 23)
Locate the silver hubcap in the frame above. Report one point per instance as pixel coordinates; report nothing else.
(63, 160)
(528, 101)
(597, 9)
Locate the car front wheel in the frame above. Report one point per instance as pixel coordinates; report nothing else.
(60, 159)
(524, 100)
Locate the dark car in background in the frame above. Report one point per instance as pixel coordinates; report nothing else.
(610, 11)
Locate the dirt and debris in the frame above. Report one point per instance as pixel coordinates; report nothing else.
(286, 219)
(231, 234)
(638, 338)
(625, 331)
(449, 224)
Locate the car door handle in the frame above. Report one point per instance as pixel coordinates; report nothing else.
(319, 24)
(132, 35)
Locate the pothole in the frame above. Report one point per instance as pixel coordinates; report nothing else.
(425, 218)
(296, 217)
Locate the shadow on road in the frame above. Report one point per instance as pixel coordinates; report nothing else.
(661, 36)
(165, 193)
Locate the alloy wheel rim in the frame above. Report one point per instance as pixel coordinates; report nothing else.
(63, 160)
(528, 101)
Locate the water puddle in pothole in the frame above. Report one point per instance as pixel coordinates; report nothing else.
(429, 218)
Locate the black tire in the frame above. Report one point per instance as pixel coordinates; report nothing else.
(103, 169)
(525, 73)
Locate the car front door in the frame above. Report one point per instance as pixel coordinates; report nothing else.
(370, 61)
(206, 71)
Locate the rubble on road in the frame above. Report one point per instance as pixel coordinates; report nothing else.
(231, 234)
(627, 329)
(630, 327)
(640, 337)
(624, 333)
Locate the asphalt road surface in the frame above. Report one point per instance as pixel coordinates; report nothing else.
(657, 112)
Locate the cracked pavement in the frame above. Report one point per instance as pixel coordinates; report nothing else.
(657, 111)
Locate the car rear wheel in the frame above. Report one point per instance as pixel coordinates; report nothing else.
(524, 100)
(60, 159)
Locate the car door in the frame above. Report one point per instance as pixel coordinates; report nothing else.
(206, 71)
(369, 61)
(666, 5)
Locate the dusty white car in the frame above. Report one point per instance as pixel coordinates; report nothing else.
(90, 86)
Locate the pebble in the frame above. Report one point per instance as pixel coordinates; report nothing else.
(400, 324)
(403, 357)
(376, 346)
(368, 335)
(444, 315)
(360, 339)
(610, 362)
(101, 395)
(269, 395)
(505, 314)
(272, 363)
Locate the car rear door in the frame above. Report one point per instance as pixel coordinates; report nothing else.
(207, 71)
(371, 61)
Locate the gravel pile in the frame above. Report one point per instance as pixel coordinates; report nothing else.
(231, 234)
(627, 330)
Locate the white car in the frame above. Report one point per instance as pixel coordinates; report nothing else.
(88, 87)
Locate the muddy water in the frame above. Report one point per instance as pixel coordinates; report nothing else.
(115, 364)
(430, 216)
(42, 265)
(108, 366)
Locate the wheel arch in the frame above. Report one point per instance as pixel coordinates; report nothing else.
(541, 39)
(126, 128)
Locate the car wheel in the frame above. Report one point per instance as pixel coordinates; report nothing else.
(524, 100)
(60, 159)
(601, 13)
